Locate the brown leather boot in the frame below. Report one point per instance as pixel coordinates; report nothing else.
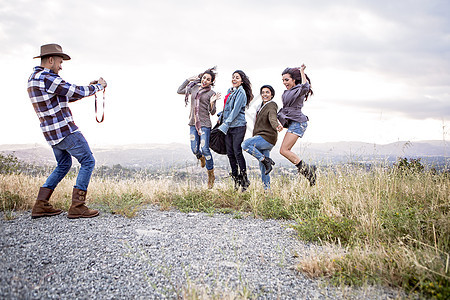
(211, 178)
(42, 208)
(202, 161)
(78, 209)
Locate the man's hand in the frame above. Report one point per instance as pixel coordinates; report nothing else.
(102, 82)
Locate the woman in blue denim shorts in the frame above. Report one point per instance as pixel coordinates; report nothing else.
(291, 117)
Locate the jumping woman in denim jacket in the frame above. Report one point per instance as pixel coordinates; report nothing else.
(290, 116)
(203, 104)
(234, 126)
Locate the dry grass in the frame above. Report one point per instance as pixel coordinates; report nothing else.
(195, 291)
(393, 227)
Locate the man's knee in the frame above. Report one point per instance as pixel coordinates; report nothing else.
(88, 162)
(65, 165)
(91, 161)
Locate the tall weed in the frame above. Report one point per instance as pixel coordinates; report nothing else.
(393, 225)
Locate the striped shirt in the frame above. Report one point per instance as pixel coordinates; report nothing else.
(50, 96)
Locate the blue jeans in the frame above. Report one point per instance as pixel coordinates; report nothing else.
(259, 148)
(72, 145)
(200, 145)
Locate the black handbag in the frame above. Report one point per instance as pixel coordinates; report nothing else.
(217, 140)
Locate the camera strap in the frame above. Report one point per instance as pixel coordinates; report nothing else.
(103, 108)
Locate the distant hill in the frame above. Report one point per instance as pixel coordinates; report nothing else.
(420, 149)
(178, 155)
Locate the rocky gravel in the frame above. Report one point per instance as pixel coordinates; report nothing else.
(158, 255)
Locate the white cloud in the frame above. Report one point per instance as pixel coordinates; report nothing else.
(364, 58)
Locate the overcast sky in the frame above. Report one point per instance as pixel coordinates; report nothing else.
(380, 70)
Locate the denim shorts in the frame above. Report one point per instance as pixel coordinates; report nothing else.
(297, 128)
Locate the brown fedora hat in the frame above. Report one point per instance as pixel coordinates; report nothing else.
(53, 49)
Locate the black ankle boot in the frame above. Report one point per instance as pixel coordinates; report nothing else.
(311, 175)
(245, 183)
(308, 171)
(268, 163)
(237, 181)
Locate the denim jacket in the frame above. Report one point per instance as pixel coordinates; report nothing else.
(233, 114)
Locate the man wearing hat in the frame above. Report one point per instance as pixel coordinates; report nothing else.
(50, 96)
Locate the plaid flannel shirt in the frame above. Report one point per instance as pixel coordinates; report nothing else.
(50, 96)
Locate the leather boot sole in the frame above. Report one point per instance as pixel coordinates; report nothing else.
(46, 215)
(82, 216)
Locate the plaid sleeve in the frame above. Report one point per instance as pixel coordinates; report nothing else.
(56, 85)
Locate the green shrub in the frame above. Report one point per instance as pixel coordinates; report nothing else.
(274, 208)
(411, 166)
(196, 201)
(126, 204)
(9, 164)
(326, 228)
(201, 200)
(10, 201)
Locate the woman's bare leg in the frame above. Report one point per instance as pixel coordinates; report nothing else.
(288, 142)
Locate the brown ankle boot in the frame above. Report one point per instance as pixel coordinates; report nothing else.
(202, 161)
(211, 178)
(78, 209)
(42, 208)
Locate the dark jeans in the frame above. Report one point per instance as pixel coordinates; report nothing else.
(233, 141)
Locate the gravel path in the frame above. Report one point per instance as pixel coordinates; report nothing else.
(158, 254)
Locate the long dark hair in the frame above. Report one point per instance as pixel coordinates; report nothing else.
(246, 85)
(212, 72)
(297, 76)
